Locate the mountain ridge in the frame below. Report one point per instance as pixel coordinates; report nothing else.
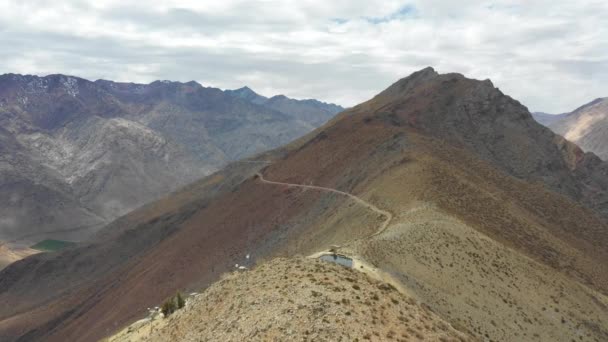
(260, 300)
(312, 111)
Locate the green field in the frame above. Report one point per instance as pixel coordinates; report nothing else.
(52, 245)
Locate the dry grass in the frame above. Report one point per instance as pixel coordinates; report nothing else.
(298, 300)
(488, 252)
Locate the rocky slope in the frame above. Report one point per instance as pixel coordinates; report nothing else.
(497, 224)
(76, 154)
(587, 126)
(297, 300)
(36, 202)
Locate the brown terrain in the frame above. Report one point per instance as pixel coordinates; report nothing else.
(497, 225)
(298, 300)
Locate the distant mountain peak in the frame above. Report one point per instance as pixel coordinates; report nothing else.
(310, 111)
(245, 89)
(247, 94)
(279, 97)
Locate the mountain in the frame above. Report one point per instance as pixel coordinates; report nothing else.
(311, 111)
(547, 119)
(587, 126)
(77, 154)
(441, 185)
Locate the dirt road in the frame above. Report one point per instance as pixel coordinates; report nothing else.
(387, 215)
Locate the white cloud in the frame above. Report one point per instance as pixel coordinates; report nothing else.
(551, 55)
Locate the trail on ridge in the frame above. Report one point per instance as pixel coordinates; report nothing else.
(388, 216)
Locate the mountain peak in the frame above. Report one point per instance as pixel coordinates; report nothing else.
(405, 84)
(279, 97)
(247, 94)
(427, 98)
(246, 89)
(428, 70)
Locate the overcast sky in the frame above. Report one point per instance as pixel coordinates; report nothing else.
(552, 55)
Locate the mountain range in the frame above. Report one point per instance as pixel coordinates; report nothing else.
(441, 185)
(76, 154)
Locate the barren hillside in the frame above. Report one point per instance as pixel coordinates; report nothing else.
(297, 300)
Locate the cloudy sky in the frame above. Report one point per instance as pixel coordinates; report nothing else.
(552, 55)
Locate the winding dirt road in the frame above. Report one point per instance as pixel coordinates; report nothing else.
(387, 215)
(358, 263)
